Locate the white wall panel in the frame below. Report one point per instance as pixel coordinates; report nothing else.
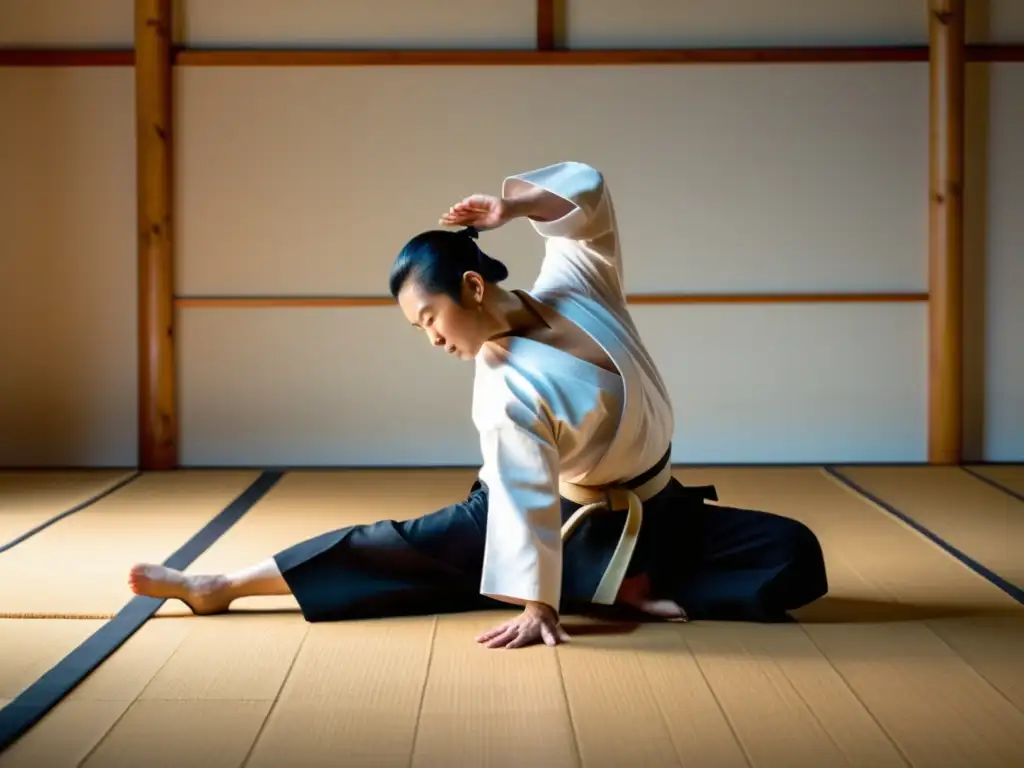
(804, 383)
(774, 384)
(66, 23)
(313, 386)
(714, 23)
(359, 23)
(68, 388)
(795, 178)
(1005, 21)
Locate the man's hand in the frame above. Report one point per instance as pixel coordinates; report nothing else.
(537, 622)
(480, 211)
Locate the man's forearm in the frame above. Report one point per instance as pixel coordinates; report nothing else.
(535, 203)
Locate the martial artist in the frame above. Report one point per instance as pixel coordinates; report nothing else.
(575, 503)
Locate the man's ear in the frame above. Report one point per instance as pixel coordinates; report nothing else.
(472, 288)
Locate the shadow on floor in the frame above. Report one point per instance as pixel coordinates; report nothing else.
(847, 610)
(619, 620)
(828, 610)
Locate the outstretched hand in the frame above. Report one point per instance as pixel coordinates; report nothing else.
(480, 211)
(538, 622)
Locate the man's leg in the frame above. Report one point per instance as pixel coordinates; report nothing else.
(739, 564)
(430, 564)
(207, 594)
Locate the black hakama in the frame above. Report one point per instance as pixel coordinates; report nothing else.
(716, 562)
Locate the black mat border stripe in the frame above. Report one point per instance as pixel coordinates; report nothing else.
(66, 513)
(33, 703)
(986, 573)
(994, 483)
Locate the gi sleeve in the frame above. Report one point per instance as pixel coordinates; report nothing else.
(583, 245)
(580, 184)
(523, 546)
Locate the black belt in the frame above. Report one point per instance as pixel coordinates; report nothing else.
(705, 492)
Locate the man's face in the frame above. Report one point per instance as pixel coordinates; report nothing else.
(456, 328)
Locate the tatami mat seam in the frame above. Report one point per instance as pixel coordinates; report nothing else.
(96, 497)
(665, 721)
(994, 483)
(791, 690)
(576, 750)
(977, 672)
(274, 702)
(103, 737)
(853, 692)
(711, 689)
(53, 686)
(966, 560)
(423, 691)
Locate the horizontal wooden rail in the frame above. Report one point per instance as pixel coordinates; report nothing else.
(614, 57)
(194, 57)
(48, 57)
(270, 302)
(995, 52)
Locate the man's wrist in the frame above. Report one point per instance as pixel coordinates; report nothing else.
(516, 208)
(525, 202)
(541, 609)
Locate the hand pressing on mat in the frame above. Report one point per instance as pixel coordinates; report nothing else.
(537, 622)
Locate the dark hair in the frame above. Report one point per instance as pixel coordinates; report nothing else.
(438, 259)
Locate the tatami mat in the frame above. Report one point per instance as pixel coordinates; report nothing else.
(29, 499)
(29, 647)
(912, 660)
(78, 567)
(1010, 476)
(931, 702)
(983, 522)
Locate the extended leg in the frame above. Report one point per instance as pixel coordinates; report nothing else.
(430, 564)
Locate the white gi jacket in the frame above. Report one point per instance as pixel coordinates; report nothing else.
(543, 414)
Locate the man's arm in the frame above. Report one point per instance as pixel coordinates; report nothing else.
(535, 203)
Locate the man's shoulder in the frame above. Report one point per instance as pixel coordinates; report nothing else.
(501, 389)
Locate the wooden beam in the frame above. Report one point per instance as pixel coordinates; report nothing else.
(158, 424)
(70, 57)
(322, 302)
(41, 57)
(545, 25)
(379, 58)
(996, 52)
(945, 241)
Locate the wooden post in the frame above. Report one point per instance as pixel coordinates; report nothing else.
(545, 25)
(158, 424)
(945, 246)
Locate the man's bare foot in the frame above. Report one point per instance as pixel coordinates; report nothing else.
(636, 593)
(202, 594)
